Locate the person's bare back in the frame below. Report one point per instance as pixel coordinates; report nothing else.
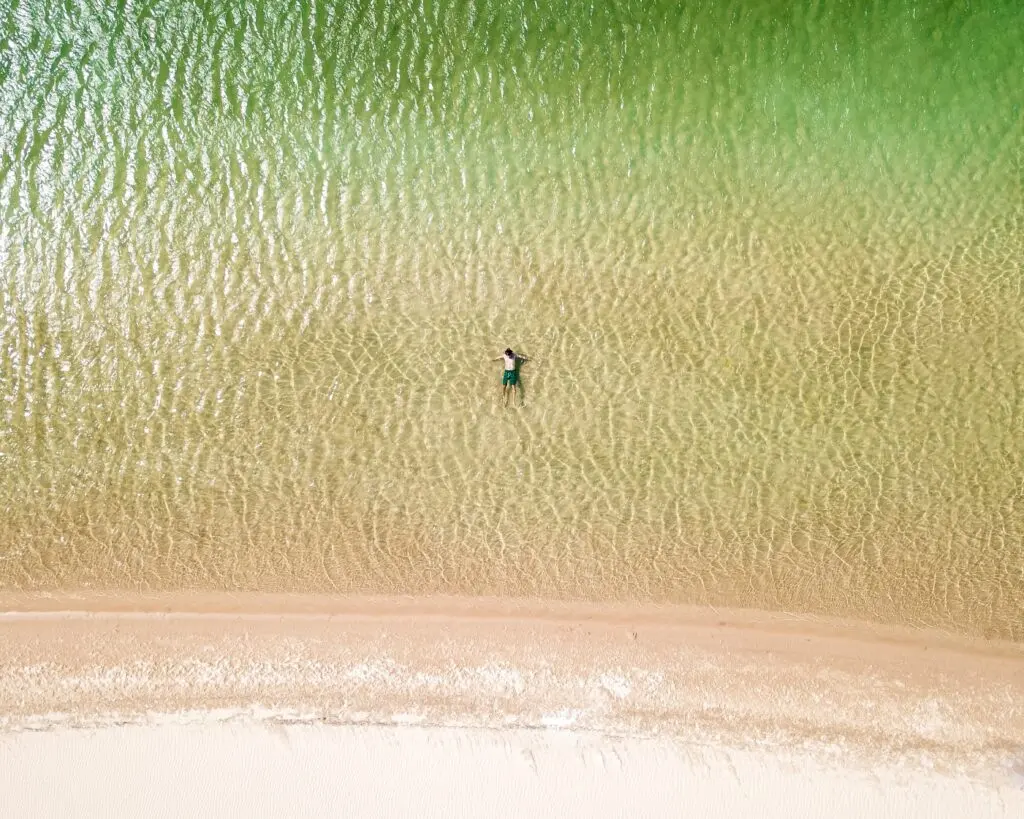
(510, 375)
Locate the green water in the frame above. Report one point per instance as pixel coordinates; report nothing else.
(768, 258)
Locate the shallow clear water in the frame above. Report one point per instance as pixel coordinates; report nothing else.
(769, 264)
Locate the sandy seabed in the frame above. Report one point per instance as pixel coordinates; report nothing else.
(256, 705)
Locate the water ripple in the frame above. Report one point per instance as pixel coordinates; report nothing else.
(254, 261)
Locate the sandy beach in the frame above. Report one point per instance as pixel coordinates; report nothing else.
(246, 770)
(714, 705)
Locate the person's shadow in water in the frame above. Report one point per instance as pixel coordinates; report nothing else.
(520, 384)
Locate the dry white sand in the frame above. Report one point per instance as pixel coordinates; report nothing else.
(312, 706)
(245, 770)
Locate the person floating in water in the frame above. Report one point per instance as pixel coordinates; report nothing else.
(510, 377)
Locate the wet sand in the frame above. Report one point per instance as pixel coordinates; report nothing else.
(849, 696)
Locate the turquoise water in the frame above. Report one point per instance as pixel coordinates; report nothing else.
(256, 260)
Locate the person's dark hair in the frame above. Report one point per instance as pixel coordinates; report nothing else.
(508, 351)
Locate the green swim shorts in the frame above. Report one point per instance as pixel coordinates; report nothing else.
(510, 378)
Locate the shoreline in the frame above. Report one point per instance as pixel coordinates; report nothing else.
(780, 693)
(277, 604)
(260, 705)
(860, 692)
